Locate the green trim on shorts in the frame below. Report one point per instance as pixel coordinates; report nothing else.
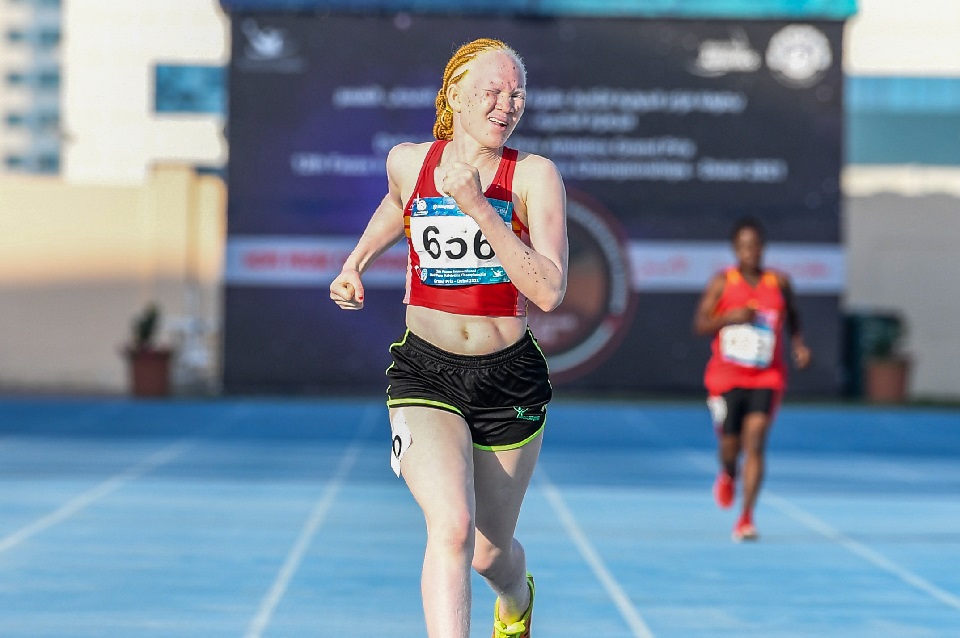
(423, 403)
(540, 350)
(514, 446)
(392, 363)
(402, 341)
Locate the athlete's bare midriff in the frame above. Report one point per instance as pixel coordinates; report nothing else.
(465, 334)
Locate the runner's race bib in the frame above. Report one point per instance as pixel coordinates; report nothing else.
(451, 247)
(749, 345)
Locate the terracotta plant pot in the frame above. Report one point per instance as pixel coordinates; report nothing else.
(149, 371)
(887, 380)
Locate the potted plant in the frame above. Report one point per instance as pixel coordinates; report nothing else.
(887, 368)
(148, 363)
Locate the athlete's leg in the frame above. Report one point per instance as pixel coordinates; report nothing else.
(727, 413)
(438, 469)
(729, 453)
(756, 425)
(724, 411)
(501, 481)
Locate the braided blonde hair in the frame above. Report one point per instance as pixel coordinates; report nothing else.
(443, 127)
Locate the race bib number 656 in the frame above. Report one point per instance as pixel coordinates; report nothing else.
(451, 247)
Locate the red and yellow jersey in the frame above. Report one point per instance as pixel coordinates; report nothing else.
(450, 265)
(749, 355)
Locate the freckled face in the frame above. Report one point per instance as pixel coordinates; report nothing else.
(492, 97)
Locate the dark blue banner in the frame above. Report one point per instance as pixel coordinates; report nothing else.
(665, 133)
(750, 9)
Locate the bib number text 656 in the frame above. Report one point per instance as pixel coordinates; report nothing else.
(457, 247)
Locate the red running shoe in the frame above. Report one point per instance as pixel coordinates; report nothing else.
(723, 489)
(745, 531)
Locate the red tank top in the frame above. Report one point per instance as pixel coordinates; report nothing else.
(450, 265)
(749, 355)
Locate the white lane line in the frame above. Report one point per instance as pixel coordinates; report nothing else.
(704, 461)
(861, 550)
(115, 482)
(319, 512)
(616, 593)
(91, 496)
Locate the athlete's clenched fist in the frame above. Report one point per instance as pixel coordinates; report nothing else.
(347, 290)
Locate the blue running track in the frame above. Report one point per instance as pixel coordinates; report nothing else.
(281, 518)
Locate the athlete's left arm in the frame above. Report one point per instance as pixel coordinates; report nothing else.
(539, 270)
(799, 349)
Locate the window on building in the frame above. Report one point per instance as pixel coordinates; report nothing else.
(48, 38)
(48, 79)
(15, 120)
(39, 3)
(14, 161)
(44, 79)
(189, 88)
(48, 164)
(48, 119)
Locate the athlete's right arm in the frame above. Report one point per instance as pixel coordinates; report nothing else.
(384, 229)
(706, 321)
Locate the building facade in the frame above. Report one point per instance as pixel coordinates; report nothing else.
(30, 86)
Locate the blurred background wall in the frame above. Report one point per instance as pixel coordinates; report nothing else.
(80, 260)
(111, 191)
(901, 181)
(110, 197)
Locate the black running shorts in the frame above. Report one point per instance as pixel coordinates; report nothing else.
(730, 408)
(502, 396)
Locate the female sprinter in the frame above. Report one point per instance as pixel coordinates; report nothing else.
(468, 386)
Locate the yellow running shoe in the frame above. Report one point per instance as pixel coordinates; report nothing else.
(518, 628)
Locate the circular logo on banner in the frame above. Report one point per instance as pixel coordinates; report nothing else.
(582, 331)
(799, 55)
